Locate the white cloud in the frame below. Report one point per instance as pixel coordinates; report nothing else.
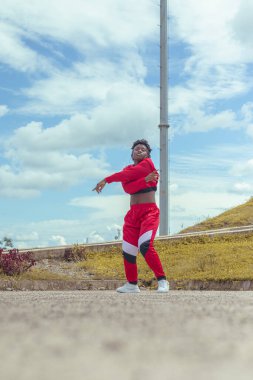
(242, 27)
(103, 206)
(107, 62)
(94, 81)
(54, 232)
(193, 107)
(78, 24)
(115, 228)
(243, 187)
(31, 237)
(58, 240)
(94, 237)
(16, 54)
(16, 185)
(42, 158)
(242, 168)
(201, 121)
(24, 240)
(216, 66)
(215, 36)
(65, 21)
(3, 110)
(51, 170)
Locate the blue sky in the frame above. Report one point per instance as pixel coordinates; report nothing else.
(80, 82)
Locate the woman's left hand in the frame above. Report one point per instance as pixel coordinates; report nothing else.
(100, 185)
(153, 176)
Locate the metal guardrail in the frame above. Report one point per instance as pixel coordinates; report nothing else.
(59, 251)
(227, 230)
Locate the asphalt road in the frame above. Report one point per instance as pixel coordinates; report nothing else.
(97, 335)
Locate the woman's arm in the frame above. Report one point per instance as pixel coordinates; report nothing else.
(132, 172)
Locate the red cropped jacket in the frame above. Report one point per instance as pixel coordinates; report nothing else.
(132, 177)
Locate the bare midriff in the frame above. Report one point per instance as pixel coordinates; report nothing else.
(142, 198)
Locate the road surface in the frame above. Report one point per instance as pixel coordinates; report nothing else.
(100, 335)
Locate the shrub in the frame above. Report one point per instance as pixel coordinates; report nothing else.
(15, 263)
(77, 253)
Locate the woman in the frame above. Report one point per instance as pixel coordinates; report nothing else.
(142, 220)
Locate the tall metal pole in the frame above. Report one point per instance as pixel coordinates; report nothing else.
(164, 126)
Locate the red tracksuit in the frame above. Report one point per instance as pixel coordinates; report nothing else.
(141, 221)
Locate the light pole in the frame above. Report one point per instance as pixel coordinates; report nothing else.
(164, 126)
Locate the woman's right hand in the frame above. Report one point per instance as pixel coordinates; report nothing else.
(153, 176)
(100, 185)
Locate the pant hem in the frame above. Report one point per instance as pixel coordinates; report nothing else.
(161, 278)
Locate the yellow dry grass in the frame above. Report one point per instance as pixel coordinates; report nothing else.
(35, 274)
(228, 257)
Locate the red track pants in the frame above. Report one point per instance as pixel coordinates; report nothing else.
(141, 224)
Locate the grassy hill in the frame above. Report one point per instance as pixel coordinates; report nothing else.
(238, 216)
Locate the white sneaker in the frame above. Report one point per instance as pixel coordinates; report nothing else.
(163, 286)
(129, 288)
